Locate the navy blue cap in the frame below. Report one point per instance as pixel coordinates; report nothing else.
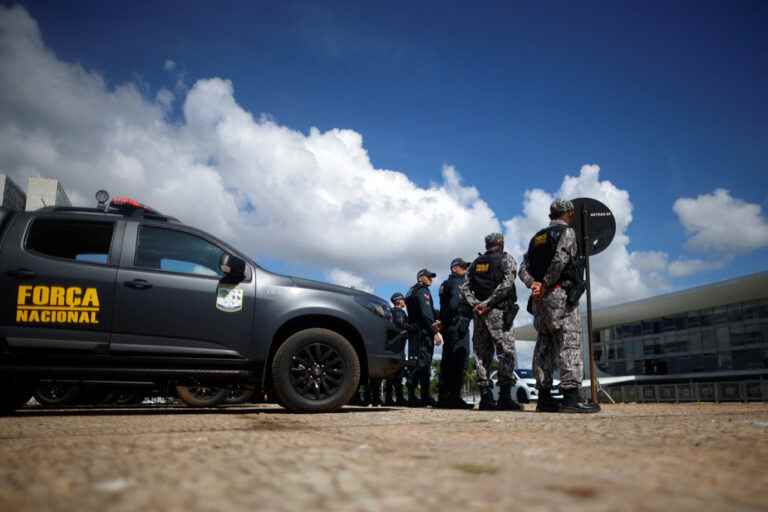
(425, 272)
(396, 296)
(459, 262)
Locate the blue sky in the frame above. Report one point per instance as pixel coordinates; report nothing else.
(668, 98)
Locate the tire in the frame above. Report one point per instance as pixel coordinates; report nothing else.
(240, 394)
(201, 395)
(522, 396)
(315, 370)
(13, 395)
(57, 394)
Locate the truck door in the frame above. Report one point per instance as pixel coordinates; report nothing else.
(57, 273)
(171, 298)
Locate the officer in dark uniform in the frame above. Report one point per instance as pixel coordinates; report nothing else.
(455, 315)
(393, 387)
(423, 318)
(551, 269)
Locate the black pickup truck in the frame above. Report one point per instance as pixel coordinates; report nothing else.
(122, 293)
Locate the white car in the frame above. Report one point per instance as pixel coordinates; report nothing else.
(525, 389)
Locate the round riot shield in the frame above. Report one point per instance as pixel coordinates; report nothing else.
(600, 222)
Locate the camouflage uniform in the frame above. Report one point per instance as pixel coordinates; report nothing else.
(558, 325)
(490, 332)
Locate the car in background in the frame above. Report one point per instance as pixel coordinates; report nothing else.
(525, 388)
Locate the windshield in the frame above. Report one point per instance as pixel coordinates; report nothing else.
(524, 373)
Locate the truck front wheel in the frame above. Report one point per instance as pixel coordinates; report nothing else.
(315, 370)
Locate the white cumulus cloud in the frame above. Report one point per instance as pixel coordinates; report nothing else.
(719, 223)
(312, 199)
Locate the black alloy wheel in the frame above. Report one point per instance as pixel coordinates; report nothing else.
(316, 370)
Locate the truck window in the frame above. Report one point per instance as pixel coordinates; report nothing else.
(176, 251)
(78, 240)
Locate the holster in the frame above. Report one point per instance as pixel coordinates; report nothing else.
(574, 291)
(508, 317)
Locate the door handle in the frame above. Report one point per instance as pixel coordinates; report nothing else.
(22, 273)
(138, 284)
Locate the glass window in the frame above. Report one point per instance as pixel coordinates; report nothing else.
(694, 340)
(77, 240)
(750, 311)
(752, 359)
(176, 251)
(708, 343)
(763, 310)
(720, 315)
(723, 338)
(647, 327)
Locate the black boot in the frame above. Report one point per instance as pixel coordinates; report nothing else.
(426, 396)
(546, 403)
(375, 390)
(399, 395)
(412, 400)
(505, 402)
(487, 403)
(388, 400)
(572, 403)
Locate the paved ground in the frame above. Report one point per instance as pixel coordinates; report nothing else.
(631, 457)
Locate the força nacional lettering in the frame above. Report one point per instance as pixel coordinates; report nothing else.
(57, 304)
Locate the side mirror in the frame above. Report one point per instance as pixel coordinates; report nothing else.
(232, 266)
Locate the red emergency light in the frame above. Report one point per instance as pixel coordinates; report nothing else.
(127, 203)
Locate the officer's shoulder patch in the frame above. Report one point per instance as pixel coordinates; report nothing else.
(426, 296)
(541, 239)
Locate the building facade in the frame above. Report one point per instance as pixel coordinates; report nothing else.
(11, 195)
(723, 338)
(42, 192)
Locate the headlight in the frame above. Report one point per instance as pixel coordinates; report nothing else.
(380, 309)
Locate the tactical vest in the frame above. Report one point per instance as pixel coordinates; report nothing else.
(541, 252)
(486, 273)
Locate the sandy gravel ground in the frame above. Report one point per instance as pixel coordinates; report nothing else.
(630, 457)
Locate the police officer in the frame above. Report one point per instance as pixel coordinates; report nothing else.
(455, 315)
(393, 387)
(489, 288)
(423, 318)
(551, 270)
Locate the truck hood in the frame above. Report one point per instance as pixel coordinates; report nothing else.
(334, 288)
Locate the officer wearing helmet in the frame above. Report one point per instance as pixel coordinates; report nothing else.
(551, 270)
(393, 387)
(423, 317)
(489, 289)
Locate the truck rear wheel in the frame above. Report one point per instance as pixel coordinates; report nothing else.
(57, 394)
(202, 395)
(315, 370)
